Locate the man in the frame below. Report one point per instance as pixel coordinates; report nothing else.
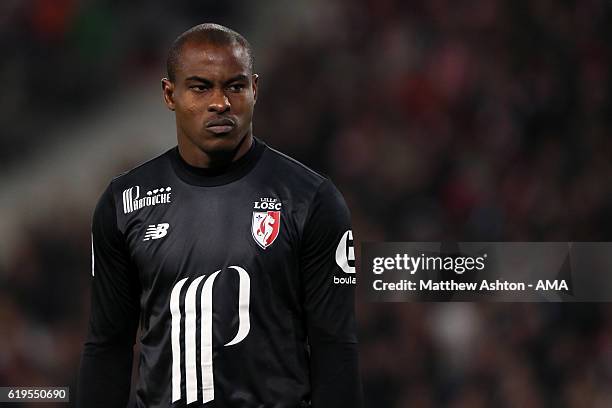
(231, 256)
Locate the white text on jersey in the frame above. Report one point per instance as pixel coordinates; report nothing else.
(345, 259)
(203, 317)
(132, 200)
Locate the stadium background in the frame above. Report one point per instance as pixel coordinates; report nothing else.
(475, 120)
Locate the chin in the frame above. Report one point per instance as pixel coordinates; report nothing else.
(218, 143)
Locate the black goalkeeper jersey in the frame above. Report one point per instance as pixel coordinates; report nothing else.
(241, 280)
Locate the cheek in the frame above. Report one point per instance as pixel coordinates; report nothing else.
(190, 118)
(191, 108)
(192, 104)
(243, 105)
(189, 103)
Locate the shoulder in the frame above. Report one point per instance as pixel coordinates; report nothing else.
(317, 188)
(135, 184)
(147, 173)
(285, 167)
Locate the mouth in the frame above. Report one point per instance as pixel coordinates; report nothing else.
(220, 126)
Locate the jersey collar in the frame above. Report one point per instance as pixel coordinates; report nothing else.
(207, 177)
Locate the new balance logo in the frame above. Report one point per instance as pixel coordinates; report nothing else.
(156, 231)
(132, 200)
(204, 316)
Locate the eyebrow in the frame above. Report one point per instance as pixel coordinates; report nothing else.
(199, 79)
(239, 77)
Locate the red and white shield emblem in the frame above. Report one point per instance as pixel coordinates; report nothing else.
(265, 227)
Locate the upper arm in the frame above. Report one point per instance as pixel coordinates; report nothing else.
(327, 258)
(115, 288)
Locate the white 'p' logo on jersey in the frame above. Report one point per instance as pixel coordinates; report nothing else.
(345, 253)
(205, 314)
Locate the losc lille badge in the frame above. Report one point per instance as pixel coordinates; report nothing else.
(266, 224)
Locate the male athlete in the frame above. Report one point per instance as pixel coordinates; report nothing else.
(235, 261)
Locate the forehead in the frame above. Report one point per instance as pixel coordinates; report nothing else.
(212, 61)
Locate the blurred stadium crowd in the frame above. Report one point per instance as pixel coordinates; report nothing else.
(483, 120)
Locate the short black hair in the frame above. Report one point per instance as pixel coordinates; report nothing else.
(206, 33)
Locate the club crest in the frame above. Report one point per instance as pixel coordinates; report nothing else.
(265, 224)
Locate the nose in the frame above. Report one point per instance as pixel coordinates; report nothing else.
(219, 102)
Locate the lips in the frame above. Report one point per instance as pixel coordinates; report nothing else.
(222, 125)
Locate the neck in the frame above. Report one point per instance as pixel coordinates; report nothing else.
(197, 157)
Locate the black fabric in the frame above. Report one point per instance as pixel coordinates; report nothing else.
(335, 375)
(329, 308)
(199, 176)
(232, 275)
(106, 361)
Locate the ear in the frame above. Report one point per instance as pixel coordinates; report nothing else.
(254, 81)
(168, 92)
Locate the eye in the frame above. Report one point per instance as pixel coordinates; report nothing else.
(236, 87)
(198, 88)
